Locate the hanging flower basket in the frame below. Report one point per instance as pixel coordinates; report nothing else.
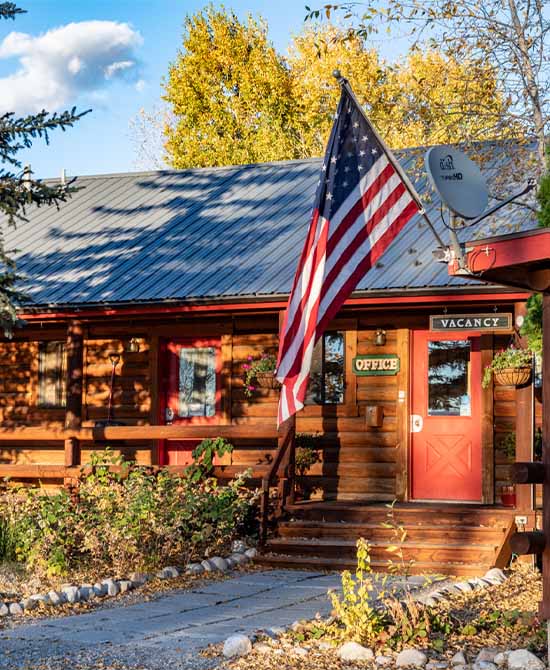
(510, 367)
(512, 376)
(259, 373)
(266, 380)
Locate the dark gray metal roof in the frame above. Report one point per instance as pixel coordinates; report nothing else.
(206, 233)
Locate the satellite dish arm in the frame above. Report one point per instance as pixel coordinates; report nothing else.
(529, 186)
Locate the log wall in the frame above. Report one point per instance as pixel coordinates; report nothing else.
(357, 462)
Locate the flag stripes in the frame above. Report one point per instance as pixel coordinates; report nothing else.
(361, 205)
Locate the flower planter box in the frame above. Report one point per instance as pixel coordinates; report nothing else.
(266, 380)
(512, 376)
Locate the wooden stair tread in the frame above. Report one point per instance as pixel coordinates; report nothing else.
(358, 525)
(457, 508)
(329, 542)
(338, 564)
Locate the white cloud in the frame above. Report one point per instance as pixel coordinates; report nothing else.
(64, 63)
(141, 85)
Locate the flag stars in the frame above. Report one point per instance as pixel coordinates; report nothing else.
(374, 151)
(333, 160)
(356, 125)
(329, 196)
(362, 153)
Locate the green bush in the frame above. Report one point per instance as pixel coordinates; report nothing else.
(131, 519)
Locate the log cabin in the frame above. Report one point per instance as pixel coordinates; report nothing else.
(150, 291)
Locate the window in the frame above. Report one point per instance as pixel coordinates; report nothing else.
(197, 381)
(326, 384)
(449, 378)
(51, 374)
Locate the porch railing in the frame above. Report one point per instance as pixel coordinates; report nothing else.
(280, 470)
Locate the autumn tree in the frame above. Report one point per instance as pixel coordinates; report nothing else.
(511, 36)
(19, 190)
(424, 98)
(230, 94)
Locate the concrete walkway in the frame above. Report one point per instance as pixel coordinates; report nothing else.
(170, 631)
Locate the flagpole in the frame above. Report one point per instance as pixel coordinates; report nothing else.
(344, 83)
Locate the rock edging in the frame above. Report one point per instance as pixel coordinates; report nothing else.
(492, 577)
(110, 588)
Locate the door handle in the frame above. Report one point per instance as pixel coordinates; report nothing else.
(417, 423)
(168, 415)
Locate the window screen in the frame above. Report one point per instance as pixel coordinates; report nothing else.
(327, 382)
(51, 374)
(197, 382)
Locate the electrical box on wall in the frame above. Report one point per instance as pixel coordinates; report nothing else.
(374, 415)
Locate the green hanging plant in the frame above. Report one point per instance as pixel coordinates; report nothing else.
(532, 326)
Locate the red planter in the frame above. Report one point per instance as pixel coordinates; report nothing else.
(508, 497)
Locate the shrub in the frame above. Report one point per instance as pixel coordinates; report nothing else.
(358, 618)
(124, 520)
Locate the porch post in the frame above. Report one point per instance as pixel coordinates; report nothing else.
(544, 609)
(524, 432)
(73, 405)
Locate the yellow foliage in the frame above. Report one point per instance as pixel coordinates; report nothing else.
(230, 93)
(236, 100)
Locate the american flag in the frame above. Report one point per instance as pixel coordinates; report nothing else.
(363, 200)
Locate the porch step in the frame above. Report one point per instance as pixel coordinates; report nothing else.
(376, 532)
(435, 515)
(440, 539)
(425, 552)
(339, 564)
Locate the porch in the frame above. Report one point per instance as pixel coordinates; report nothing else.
(452, 538)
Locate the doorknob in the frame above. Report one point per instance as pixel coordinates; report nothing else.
(417, 423)
(168, 415)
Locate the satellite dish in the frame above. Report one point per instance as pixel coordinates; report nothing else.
(458, 180)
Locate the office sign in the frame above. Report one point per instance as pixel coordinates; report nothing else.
(376, 364)
(453, 322)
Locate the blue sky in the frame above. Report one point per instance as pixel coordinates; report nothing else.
(118, 69)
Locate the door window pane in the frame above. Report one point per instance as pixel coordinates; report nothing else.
(326, 382)
(449, 378)
(197, 382)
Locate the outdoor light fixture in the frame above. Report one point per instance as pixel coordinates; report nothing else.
(380, 337)
(115, 359)
(132, 346)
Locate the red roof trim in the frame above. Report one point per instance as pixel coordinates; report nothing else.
(389, 301)
(506, 251)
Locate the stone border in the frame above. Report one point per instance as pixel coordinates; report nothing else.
(110, 588)
(492, 577)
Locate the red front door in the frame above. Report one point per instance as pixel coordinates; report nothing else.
(446, 417)
(190, 391)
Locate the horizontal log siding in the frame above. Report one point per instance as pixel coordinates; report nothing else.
(504, 422)
(356, 462)
(261, 408)
(18, 397)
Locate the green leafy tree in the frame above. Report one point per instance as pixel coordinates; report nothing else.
(19, 190)
(230, 93)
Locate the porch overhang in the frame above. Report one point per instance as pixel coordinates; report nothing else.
(520, 260)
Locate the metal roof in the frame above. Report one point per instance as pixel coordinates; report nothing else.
(206, 234)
